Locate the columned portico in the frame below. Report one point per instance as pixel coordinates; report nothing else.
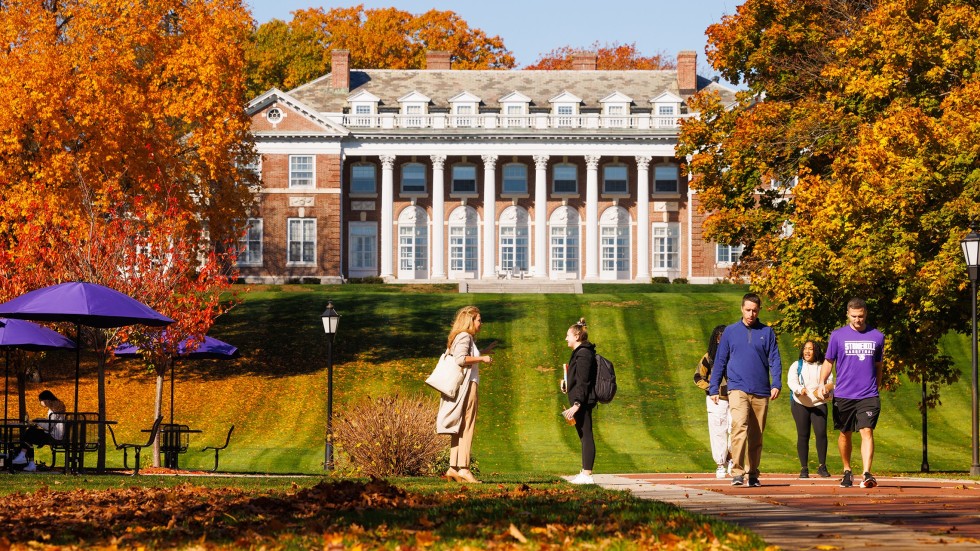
(592, 217)
(489, 214)
(643, 217)
(387, 213)
(438, 217)
(540, 216)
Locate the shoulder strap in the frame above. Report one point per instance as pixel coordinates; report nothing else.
(799, 371)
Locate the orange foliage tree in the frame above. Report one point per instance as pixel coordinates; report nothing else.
(124, 147)
(609, 57)
(850, 166)
(285, 55)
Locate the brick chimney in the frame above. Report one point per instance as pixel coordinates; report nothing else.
(687, 72)
(584, 61)
(438, 61)
(340, 70)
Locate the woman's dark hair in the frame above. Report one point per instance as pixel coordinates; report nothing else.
(713, 341)
(817, 351)
(46, 395)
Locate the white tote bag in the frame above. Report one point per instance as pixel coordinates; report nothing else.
(447, 376)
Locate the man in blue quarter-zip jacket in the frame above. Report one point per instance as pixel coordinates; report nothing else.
(748, 356)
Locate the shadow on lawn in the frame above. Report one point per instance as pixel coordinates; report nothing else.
(372, 513)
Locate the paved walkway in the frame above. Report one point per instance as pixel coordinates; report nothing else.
(816, 513)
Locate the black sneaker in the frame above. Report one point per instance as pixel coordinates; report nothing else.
(823, 472)
(848, 480)
(738, 480)
(804, 473)
(754, 483)
(869, 481)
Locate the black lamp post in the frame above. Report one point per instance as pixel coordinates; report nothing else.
(330, 322)
(971, 253)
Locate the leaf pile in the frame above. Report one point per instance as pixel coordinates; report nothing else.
(356, 514)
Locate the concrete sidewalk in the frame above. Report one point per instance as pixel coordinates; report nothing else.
(816, 514)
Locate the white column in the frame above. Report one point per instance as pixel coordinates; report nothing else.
(438, 217)
(489, 214)
(540, 216)
(643, 218)
(592, 217)
(387, 212)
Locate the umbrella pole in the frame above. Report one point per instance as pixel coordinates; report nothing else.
(6, 384)
(78, 360)
(172, 362)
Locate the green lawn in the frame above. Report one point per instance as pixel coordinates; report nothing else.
(391, 336)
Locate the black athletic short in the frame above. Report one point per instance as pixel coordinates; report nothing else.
(854, 415)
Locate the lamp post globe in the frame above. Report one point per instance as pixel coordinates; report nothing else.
(971, 255)
(331, 320)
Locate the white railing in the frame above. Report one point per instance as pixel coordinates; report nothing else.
(493, 121)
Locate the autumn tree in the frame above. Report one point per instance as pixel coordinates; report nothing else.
(286, 55)
(609, 57)
(850, 166)
(124, 139)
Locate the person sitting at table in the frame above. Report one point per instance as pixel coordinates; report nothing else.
(35, 436)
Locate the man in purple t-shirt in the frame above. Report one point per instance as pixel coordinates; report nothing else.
(856, 349)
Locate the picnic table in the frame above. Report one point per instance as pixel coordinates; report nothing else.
(10, 437)
(174, 440)
(80, 436)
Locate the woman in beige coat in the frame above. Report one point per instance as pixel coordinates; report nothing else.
(458, 417)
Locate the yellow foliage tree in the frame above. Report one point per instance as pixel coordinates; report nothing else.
(850, 166)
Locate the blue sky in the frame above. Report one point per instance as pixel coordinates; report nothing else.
(530, 28)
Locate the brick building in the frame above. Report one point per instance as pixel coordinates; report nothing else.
(437, 175)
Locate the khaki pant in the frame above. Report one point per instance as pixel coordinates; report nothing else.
(462, 442)
(748, 422)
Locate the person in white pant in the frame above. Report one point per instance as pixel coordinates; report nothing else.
(719, 418)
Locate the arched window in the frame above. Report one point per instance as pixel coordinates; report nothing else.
(464, 247)
(614, 244)
(564, 243)
(413, 244)
(514, 239)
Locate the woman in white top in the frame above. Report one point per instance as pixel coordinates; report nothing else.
(803, 379)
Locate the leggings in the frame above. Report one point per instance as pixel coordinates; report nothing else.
(583, 424)
(806, 417)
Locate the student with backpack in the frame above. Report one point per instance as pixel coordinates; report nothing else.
(809, 411)
(580, 387)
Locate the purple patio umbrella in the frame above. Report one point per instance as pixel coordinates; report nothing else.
(210, 349)
(82, 303)
(25, 335)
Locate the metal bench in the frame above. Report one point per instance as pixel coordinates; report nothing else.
(137, 447)
(219, 448)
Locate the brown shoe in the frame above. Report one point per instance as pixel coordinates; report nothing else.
(466, 476)
(453, 474)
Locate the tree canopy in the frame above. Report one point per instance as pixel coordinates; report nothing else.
(609, 56)
(285, 55)
(850, 165)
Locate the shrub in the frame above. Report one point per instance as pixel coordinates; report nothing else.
(661, 279)
(391, 436)
(680, 280)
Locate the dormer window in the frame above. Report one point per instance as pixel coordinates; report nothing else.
(363, 109)
(514, 106)
(666, 108)
(464, 116)
(465, 108)
(616, 110)
(414, 110)
(565, 109)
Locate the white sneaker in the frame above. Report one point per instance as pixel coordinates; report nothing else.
(721, 472)
(31, 467)
(582, 478)
(729, 468)
(21, 458)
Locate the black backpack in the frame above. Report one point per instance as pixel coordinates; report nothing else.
(605, 380)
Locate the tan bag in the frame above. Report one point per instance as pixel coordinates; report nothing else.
(447, 377)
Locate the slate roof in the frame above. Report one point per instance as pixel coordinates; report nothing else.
(490, 86)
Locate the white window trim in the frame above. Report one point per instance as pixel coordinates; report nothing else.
(727, 264)
(359, 271)
(653, 182)
(504, 194)
(453, 192)
(673, 230)
(312, 184)
(245, 242)
(620, 194)
(301, 262)
(557, 193)
(401, 181)
(363, 194)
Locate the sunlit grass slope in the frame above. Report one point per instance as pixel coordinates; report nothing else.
(391, 336)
